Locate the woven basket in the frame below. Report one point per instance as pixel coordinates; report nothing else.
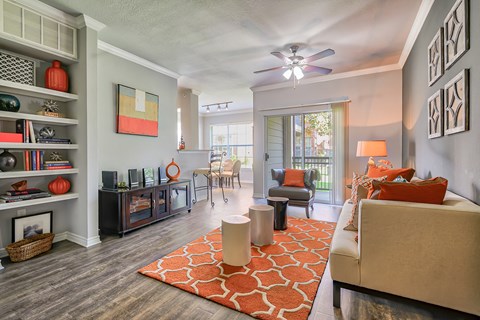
(28, 248)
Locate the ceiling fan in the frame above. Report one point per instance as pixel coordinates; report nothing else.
(296, 65)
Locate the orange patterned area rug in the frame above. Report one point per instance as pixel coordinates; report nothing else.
(280, 282)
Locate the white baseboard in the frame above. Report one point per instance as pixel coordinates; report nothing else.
(72, 237)
(259, 195)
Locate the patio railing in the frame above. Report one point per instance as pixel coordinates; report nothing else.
(324, 165)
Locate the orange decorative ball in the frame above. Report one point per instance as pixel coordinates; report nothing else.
(59, 185)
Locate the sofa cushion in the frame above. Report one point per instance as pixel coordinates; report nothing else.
(294, 178)
(375, 172)
(293, 193)
(427, 191)
(344, 254)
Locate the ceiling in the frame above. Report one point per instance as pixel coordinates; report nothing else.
(216, 45)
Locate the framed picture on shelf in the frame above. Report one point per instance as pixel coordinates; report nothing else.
(132, 178)
(137, 112)
(148, 176)
(29, 226)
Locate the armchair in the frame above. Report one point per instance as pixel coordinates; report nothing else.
(300, 197)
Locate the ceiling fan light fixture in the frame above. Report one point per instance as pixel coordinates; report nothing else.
(297, 71)
(287, 74)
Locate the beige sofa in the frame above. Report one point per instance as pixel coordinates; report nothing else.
(425, 252)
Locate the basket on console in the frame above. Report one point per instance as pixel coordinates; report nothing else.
(28, 248)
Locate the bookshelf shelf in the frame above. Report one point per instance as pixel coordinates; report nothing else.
(13, 116)
(36, 92)
(37, 146)
(37, 173)
(28, 203)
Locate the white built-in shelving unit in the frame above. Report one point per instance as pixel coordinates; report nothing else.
(33, 202)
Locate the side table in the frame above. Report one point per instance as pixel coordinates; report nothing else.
(279, 205)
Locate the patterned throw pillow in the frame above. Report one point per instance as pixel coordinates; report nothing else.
(400, 179)
(361, 189)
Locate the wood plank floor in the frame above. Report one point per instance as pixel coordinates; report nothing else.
(101, 282)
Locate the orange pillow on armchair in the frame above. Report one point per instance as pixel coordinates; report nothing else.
(377, 172)
(294, 178)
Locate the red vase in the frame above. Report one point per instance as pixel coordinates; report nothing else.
(59, 185)
(56, 78)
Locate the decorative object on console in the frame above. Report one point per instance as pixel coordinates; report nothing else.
(59, 185)
(456, 28)
(56, 78)
(182, 144)
(435, 115)
(456, 108)
(7, 161)
(17, 68)
(132, 178)
(137, 112)
(435, 58)
(162, 174)
(46, 132)
(9, 103)
(371, 148)
(109, 180)
(148, 176)
(170, 176)
(20, 185)
(32, 225)
(50, 109)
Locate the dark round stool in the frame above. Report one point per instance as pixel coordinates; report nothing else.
(279, 205)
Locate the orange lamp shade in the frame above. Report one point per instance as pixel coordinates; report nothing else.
(372, 148)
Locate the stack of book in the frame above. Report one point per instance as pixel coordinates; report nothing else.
(15, 196)
(57, 165)
(54, 140)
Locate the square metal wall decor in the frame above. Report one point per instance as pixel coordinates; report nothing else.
(435, 58)
(456, 32)
(435, 115)
(456, 113)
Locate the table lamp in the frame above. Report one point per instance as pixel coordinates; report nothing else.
(371, 148)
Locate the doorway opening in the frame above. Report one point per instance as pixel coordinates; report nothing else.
(308, 140)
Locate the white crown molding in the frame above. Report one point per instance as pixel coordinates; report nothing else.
(337, 76)
(135, 59)
(86, 21)
(196, 92)
(422, 14)
(223, 113)
(49, 11)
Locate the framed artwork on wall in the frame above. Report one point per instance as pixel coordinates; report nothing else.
(29, 226)
(456, 114)
(435, 115)
(137, 112)
(456, 32)
(435, 58)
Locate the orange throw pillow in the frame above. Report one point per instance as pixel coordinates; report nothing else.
(294, 178)
(428, 191)
(376, 172)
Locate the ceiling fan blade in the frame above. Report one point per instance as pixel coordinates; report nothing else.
(270, 69)
(282, 57)
(309, 68)
(320, 55)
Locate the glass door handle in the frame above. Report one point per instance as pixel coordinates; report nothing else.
(267, 156)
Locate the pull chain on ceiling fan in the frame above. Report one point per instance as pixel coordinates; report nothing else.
(297, 65)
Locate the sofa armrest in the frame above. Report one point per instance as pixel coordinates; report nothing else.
(311, 176)
(421, 251)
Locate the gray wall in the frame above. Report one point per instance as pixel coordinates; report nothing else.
(120, 152)
(375, 112)
(455, 157)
